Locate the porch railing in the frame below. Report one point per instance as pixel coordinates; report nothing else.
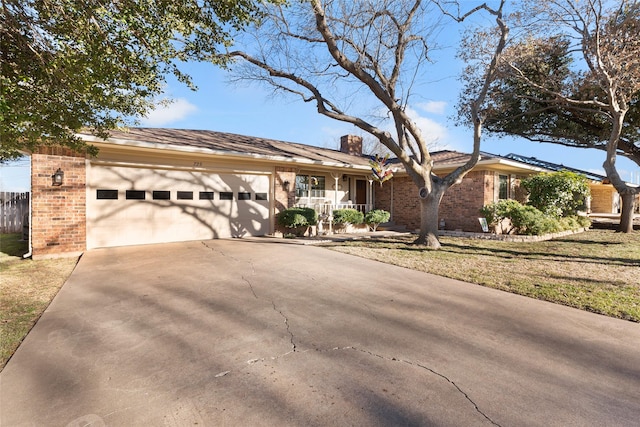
(328, 208)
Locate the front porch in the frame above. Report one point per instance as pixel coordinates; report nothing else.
(325, 211)
(326, 192)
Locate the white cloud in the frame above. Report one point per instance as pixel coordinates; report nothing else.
(435, 134)
(434, 107)
(170, 113)
(432, 131)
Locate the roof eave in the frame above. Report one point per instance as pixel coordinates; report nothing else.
(133, 144)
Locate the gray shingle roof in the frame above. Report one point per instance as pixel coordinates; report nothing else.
(222, 142)
(233, 143)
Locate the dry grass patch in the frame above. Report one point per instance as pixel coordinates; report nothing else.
(26, 289)
(598, 270)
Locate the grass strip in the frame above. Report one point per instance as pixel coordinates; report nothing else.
(27, 288)
(598, 270)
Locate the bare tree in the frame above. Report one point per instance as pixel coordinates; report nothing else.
(574, 79)
(352, 57)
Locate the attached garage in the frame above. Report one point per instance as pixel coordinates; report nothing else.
(148, 186)
(134, 205)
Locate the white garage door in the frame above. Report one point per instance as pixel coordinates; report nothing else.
(132, 206)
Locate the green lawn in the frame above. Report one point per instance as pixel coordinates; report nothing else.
(26, 289)
(598, 270)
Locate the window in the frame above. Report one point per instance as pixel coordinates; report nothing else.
(135, 195)
(503, 187)
(302, 186)
(206, 195)
(226, 195)
(261, 196)
(185, 195)
(310, 186)
(107, 194)
(244, 196)
(161, 195)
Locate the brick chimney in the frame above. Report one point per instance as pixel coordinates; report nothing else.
(351, 144)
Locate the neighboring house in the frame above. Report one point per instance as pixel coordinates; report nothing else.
(167, 185)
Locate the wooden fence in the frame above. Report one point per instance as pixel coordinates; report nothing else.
(14, 212)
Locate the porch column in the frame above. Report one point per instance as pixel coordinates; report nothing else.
(335, 192)
(370, 197)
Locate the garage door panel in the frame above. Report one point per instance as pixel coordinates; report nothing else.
(127, 222)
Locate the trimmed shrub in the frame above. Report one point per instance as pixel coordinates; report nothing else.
(297, 217)
(347, 216)
(528, 220)
(558, 194)
(497, 212)
(574, 222)
(376, 217)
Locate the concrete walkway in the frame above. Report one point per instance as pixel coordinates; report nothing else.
(255, 333)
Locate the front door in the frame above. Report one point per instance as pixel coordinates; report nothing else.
(361, 192)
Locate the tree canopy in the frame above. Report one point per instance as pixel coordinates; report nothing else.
(533, 111)
(73, 64)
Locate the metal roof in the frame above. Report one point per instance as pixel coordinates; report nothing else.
(553, 166)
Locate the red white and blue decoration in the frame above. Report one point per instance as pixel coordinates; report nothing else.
(380, 169)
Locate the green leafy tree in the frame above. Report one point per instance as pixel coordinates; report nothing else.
(73, 64)
(557, 194)
(520, 109)
(573, 78)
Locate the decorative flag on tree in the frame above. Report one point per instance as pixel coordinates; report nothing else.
(380, 169)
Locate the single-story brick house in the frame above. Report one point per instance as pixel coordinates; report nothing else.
(165, 185)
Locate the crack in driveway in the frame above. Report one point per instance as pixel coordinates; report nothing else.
(248, 282)
(370, 353)
(421, 366)
(286, 322)
(294, 347)
(218, 251)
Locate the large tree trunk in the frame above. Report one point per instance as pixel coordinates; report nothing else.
(626, 213)
(626, 193)
(429, 209)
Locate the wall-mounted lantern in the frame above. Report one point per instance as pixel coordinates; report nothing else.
(286, 185)
(58, 177)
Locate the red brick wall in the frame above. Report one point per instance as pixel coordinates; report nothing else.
(461, 203)
(406, 204)
(58, 218)
(459, 207)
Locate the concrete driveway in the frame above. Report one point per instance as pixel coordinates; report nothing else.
(237, 332)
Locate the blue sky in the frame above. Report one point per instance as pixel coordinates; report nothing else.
(254, 110)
